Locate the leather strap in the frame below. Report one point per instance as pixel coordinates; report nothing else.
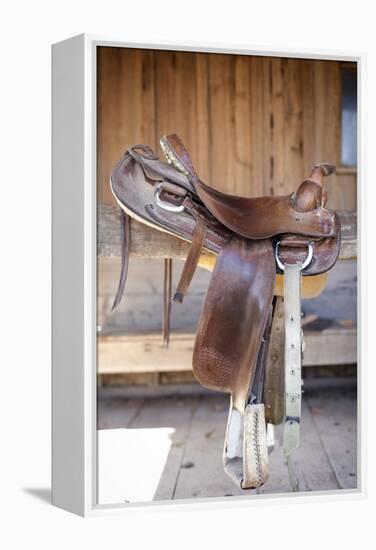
(125, 239)
(274, 392)
(190, 266)
(167, 290)
(293, 364)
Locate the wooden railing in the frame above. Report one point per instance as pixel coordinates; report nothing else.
(145, 353)
(149, 243)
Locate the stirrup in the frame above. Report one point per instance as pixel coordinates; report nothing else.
(245, 454)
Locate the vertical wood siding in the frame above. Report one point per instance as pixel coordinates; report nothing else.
(253, 125)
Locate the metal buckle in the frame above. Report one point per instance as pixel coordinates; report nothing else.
(165, 205)
(306, 262)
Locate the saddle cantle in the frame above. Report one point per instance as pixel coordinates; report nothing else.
(254, 239)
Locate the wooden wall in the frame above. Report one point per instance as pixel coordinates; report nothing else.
(253, 125)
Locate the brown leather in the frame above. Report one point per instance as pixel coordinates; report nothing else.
(191, 262)
(308, 197)
(270, 215)
(174, 189)
(167, 293)
(274, 384)
(135, 191)
(174, 142)
(262, 217)
(234, 317)
(125, 239)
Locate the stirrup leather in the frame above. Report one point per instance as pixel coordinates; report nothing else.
(293, 366)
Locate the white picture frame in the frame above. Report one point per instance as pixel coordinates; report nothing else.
(74, 439)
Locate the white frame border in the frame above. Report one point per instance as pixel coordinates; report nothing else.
(74, 437)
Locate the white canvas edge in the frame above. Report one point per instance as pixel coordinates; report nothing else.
(86, 500)
(69, 428)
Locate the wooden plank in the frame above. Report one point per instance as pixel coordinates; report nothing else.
(330, 347)
(117, 413)
(201, 474)
(255, 187)
(221, 117)
(308, 119)
(177, 414)
(349, 234)
(202, 120)
(181, 103)
(344, 190)
(241, 138)
(274, 126)
(126, 108)
(172, 449)
(327, 110)
(311, 459)
(148, 242)
(336, 421)
(236, 123)
(293, 110)
(254, 125)
(246, 142)
(141, 307)
(146, 353)
(311, 464)
(327, 95)
(321, 95)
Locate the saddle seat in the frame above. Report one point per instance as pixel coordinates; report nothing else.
(301, 213)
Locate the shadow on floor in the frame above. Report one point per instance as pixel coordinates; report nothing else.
(40, 493)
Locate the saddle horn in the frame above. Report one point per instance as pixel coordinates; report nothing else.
(311, 194)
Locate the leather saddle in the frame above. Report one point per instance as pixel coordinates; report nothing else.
(254, 240)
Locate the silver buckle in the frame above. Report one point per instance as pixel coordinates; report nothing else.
(306, 262)
(165, 205)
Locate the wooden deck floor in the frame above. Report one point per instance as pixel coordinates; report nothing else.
(170, 447)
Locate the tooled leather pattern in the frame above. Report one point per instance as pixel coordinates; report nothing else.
(212, 369)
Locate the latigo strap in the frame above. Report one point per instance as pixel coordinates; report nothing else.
(293, 365)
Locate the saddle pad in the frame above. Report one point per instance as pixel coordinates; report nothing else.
(234, 316)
